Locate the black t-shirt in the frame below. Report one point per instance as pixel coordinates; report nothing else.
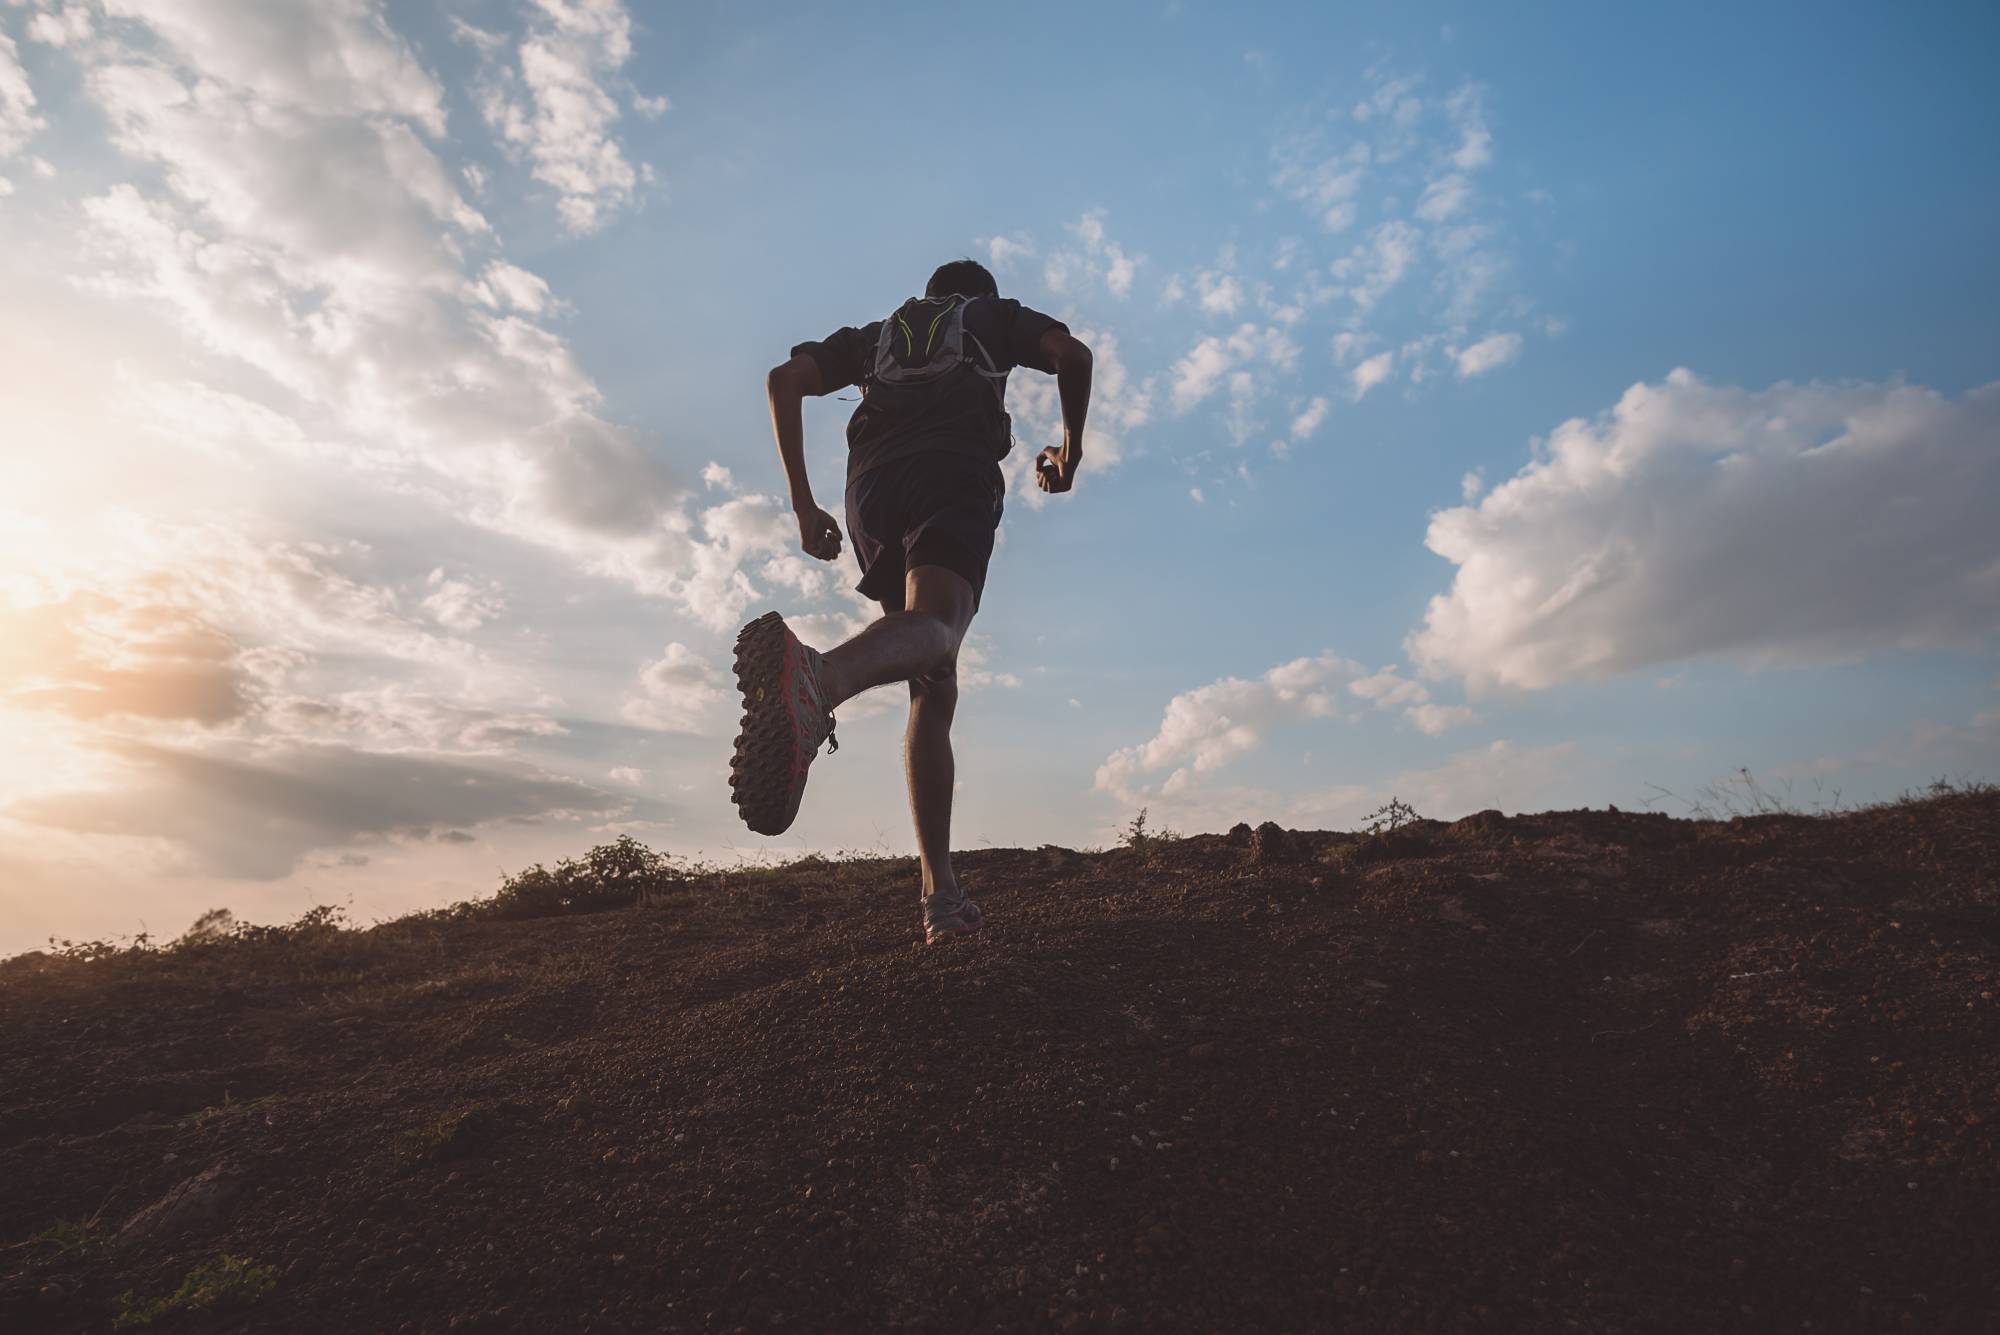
(964, 417)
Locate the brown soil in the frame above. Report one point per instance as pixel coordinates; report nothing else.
(1583, 1071)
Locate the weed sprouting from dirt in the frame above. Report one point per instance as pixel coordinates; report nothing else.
(1144, 841)
(74, 1238)
(449, 1135)
(1742, 794)
(1391, 816)
(230, 1107)
(226, 1280)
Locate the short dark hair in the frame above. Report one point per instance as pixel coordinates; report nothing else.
(962, 278)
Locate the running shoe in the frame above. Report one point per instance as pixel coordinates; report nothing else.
(953, 915)
(784, 723)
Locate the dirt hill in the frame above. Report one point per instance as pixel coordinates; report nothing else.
(1585, 1071)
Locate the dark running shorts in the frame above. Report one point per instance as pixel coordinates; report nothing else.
(930, 509)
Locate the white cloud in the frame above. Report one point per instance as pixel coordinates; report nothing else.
(1308, 421)
(553, 107)
(1119, 270)
(313, 234)
(1488, 353)
(1800, 523)
(1221, 294)
(678, 692)
(18, 121)
(718, 478)
(461, 604)
(973, 672)
(60, 27)
(1348, 345)
(1372, 372)
(1377, 265)
(1210, 726)
(1003, 251)
(1206, 365)
(1326, 184)
(628, 775)
(1392, 98)
(506, 287)
(1101, 258)
(1444, 197)
(1467, 108)
(1206, 729)
(338, 58)
(1432, 718)
(1195, 495)
(1389, 689)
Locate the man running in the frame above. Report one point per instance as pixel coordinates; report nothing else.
(924, 495)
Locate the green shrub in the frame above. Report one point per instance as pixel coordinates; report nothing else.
(610, 876)
(225, 1280)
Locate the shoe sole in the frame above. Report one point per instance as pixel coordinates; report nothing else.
(767, 774)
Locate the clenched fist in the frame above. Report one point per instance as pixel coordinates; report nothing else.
(819, 533)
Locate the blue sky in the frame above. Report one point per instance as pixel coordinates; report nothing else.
(1492, 412)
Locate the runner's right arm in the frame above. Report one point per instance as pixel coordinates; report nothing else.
(787, 386)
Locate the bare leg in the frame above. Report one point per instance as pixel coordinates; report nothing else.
(917, 643)
(902, 645)
(898, 646)
(927, 761)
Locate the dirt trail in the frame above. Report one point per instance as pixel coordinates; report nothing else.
(1582, 1071)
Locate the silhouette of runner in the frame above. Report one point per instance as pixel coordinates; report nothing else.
(924, 496)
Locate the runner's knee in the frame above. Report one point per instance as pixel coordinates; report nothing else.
(938, 687)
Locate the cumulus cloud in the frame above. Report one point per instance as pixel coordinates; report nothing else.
(1371, 372)
(1309, 419)
(1800, 523)
(1206, 728)
(1003, 251)
(554, 107)
(311, 231)
(1209, 727)
(60, 27)
(1209, 363)
(1220, 294)
(678, 692)
(1493, 351)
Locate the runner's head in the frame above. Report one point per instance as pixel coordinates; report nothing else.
(962, 278)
